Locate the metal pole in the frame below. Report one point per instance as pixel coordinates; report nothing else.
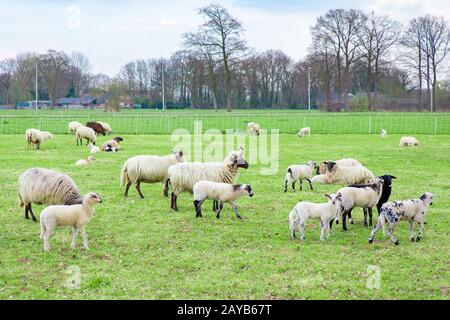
(309, 88)
(163, 98)
(36, 87)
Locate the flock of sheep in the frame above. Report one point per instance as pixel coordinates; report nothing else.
(216, 181)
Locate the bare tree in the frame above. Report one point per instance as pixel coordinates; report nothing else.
(54, 67)
(79, 74)
(6, 73)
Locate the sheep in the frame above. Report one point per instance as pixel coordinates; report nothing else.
(336, 174)
(85, 162)
(383, 134)
(93, 149)
(408, 142)
(106, 127)
(322, 167)
(97, 127)
(304, 131)
(326, 212)
(42, 186)
(86, 133)
(35, 137)
(183, 176)
(253, 128)
(77, 216)
(363, 196)
(73, 126)
(411, 210)
(148, 169)
(220, 192)
(299, 172)
(112, 145)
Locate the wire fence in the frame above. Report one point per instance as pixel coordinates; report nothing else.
(290, 123)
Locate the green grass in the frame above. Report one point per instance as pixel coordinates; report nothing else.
(142, 250)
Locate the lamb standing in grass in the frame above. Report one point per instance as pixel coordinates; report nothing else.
(299, 172)
(73, 126)
(383, 134)
(411, 210)
(304, 131)
(93, 149)
(85, 162)
(86, 133)
(326, 212)
(253, 129)
(148, 169)
(220, 192)
(408, 142)
(77, 216)
(35, 137)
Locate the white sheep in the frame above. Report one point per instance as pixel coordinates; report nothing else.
(326, 212)
(336, 174)
(85, 162)
(73, 126)
(364, 196)
(77, 216)
(408, 142)
(304, 131)
(183, 176)
(148, 169)
(35, 137)
(93, 149)
(253, 129)
(42, 186)
(347, 162)
(105, 126)
(383, 134)
(220, 192)
(299, 172)
(86, 133)
(411, 210)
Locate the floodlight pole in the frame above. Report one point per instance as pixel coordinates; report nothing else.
(162, 79)
(309, 88)
(36, 85)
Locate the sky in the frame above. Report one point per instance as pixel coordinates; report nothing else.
(113, 32)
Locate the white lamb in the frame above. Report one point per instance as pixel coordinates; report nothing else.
(148, 169)
(85, 162)
(220, 192)
(408, 142)
(326, 212)
(304, 131)
(73, 126)
(86, 133)
(299, 172)
(362, 196)
(183, 176)
(336, 174)
(253, 129)
(77, 216)
(93, 149)
(411, 210)
(35, 137)
(383, 134)
(105, 126)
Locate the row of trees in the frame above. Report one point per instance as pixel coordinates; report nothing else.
(352, 53)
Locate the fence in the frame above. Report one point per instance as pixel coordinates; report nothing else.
(166, 123)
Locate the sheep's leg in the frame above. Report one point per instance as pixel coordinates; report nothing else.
(84, 236)
(411, 230)
(310, 185)
(46, 241)
(328, 226)
(215, 206)
(331, 224)
(293, 186)
(166, 188)
(293, 228)
(286, 185)
(370, 216)
(74, 237)
(365, 217)
(127, 188)
(350, 218)
(391, 234)
(322, 229)
(219, 209)
(344, 221)
(419, 236)
(374, 230)
(198, 209)
(32, 214)
(138, 188)
(173, 204)
(233, 205)
(26, 212)
(301, 185)
(302, 230)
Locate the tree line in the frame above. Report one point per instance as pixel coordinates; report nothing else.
(357, 61)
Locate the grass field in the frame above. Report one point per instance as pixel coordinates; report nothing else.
(141, 249)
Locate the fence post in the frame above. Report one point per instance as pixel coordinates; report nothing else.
(1, 128)
(370, 125)
(435, 125)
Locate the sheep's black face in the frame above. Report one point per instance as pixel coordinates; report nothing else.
(249, 190)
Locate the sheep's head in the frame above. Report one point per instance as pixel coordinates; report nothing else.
(330, 165)
(387, 179)
(91, 198)
(312, 164)
(118, 139)
(179, 155)
(90, 159)
(334, 198)
(248, 189)
(236, 158)
(427, 198)
(321, 168)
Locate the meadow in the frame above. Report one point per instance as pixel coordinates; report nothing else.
(140, 249)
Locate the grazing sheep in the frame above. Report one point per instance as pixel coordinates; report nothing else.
(35, 137)
(408, 142)
(112, 145)
(322, 167)
(220, 192)
(299, 172)
(73, 126)
(326, 212)
(148, 169)
(42, 186)
(77, 216)
(253, 129)
(86, 133)
(93, 149)
(336, 174)
(383, 134)
(362, 196)
(106, 127)
(411, 210)
(304, 131)
(85, 162)
(97, 127)
(183, 176)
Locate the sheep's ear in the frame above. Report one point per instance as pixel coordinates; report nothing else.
(328, 196)
(392, 177)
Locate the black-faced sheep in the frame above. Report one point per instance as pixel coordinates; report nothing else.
(112, 145)
(337, 174)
